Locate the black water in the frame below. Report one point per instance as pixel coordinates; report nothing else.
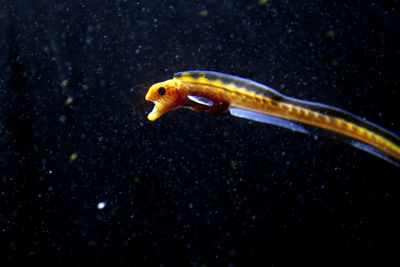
(86, 178)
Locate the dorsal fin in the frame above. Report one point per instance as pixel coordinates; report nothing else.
(216, 78)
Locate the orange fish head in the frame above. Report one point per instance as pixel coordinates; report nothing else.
(166, 96)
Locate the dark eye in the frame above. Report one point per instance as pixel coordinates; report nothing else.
(161, 91)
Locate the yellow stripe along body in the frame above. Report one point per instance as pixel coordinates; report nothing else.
(253, 96)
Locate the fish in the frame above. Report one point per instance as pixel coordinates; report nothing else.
(216, 93)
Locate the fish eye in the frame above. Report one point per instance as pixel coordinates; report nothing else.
(161, 91)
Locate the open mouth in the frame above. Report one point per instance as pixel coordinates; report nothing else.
(154, 114)
(158, 110)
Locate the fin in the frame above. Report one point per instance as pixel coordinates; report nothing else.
(374, 151)
(201, 100)
(260, 117)
(241, 84)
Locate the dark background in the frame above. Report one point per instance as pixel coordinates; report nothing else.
(192, 189)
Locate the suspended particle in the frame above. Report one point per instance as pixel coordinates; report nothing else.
(63, 118)
(330, 34)
(101, 205)
(262, 2)
(73, 157)
(64, 83)
(233, 164)
(68, 101)
(204, 13)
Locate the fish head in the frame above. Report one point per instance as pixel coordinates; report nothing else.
(166, 96)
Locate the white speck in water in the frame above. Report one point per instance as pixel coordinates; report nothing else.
(101, 205)
(89, 40)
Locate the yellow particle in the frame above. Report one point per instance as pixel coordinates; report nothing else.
(233, 164)
(262, 2)
(204, 13)
(85, 87)
(136, 180)
(64, 83)
(226, 134)
(73, 157)
(330, 34)
(68, 101)
(334, 63)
